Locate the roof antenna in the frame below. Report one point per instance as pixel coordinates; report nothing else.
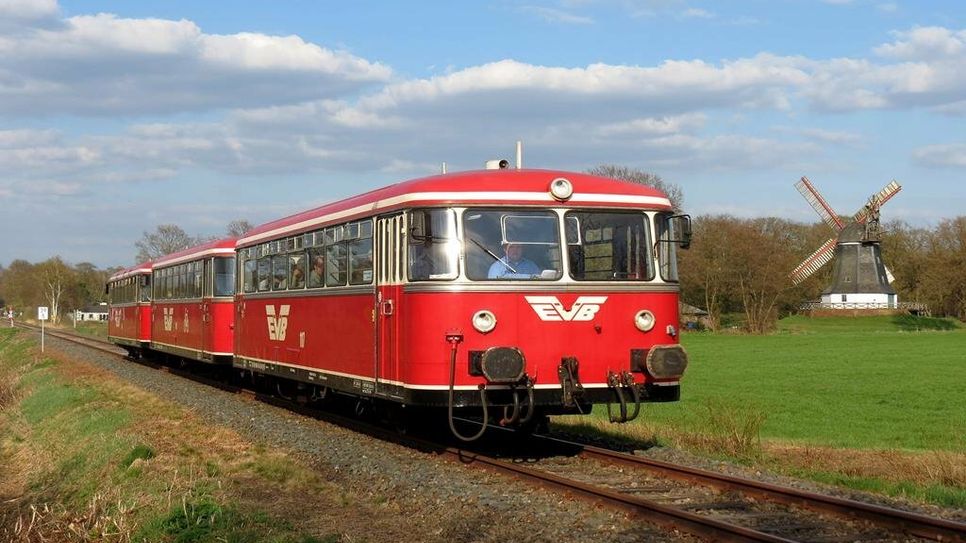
(443, 168)
(519, 154)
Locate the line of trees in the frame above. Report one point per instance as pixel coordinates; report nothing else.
(53, 283)
(742, 266)
(64, 287)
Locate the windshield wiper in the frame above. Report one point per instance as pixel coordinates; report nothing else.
(492, 254)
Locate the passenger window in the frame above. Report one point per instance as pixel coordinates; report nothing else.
(249, 275)
(317, 273)
(360, 259)
(336, 268)
(296, 265)
(264, 273)
(280, 272)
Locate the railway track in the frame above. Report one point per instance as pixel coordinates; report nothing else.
(707, 504)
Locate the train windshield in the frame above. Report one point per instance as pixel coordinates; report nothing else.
(609, 246)
(511, 244)
(433, 246)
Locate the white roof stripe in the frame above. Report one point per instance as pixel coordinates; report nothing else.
(193, 256)
(475, 196)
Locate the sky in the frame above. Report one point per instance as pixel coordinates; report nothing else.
(116, 117)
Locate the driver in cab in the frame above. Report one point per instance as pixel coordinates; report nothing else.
(513, 265)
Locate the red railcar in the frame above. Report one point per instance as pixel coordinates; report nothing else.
(192, 314)
(129, 292)
(530, 290)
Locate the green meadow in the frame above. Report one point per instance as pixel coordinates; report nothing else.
(867, 383)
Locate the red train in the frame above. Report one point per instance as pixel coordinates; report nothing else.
(518, 293)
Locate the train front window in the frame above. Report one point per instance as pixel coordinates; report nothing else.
(433, 246)
(609, 246)
(511, 244)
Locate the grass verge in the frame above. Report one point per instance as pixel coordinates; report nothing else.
(85, 457)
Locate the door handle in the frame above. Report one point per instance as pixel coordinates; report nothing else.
(385, 308)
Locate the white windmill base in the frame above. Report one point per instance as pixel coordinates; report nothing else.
(872, 300)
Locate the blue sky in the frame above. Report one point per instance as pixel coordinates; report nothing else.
(119, 116)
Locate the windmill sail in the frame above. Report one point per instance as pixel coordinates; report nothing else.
(814, 262)
(819, 204)
(879, 198)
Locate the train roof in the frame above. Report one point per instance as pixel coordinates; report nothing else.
(212, 248)
(140, 269)
(497, 187)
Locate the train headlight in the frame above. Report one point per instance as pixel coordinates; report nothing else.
(561, 189)
(484, 321)
(644, 320)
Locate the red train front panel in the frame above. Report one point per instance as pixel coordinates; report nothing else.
(595, 327)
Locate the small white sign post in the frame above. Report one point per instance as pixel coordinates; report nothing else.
(42, 316)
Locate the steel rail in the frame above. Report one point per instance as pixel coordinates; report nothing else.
(654, 512)
(912, 523)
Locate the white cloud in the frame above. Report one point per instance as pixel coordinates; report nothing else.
(697, 13)
(944, 155)
(925, 43)
(552, 15)
(832, 136)
(102, 65)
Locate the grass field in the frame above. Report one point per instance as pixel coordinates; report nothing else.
(844, 382)
(875, 403)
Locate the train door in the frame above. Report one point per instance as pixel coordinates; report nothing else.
(390, 246)
(206, 292)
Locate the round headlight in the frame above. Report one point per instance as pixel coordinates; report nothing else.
(484, 321)
(561, 189)
(644, 320)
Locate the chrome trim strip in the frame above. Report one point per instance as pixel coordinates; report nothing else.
(369, 290)
(538, 287)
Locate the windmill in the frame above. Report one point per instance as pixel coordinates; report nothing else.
(859, 276)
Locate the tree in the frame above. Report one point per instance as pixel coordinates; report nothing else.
(238, 227)
(56, 277)
(633, 175)
(166, 239)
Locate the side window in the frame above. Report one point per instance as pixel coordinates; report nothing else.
(360, 261)
(317, 263)
(296, 265)
(336, 267)
(249, 275)
(280, 272)
(264, 273)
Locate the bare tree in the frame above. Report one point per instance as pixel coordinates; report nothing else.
(633, 175)
(166, 239)
(238, 227)
(56, 277)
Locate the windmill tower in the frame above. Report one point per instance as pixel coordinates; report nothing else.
(859, 278)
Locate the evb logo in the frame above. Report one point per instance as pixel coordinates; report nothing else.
(549, 308)
(168, 319)
(277, 324)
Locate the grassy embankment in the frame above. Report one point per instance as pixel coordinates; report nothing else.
(86, 457)
(873, 403)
